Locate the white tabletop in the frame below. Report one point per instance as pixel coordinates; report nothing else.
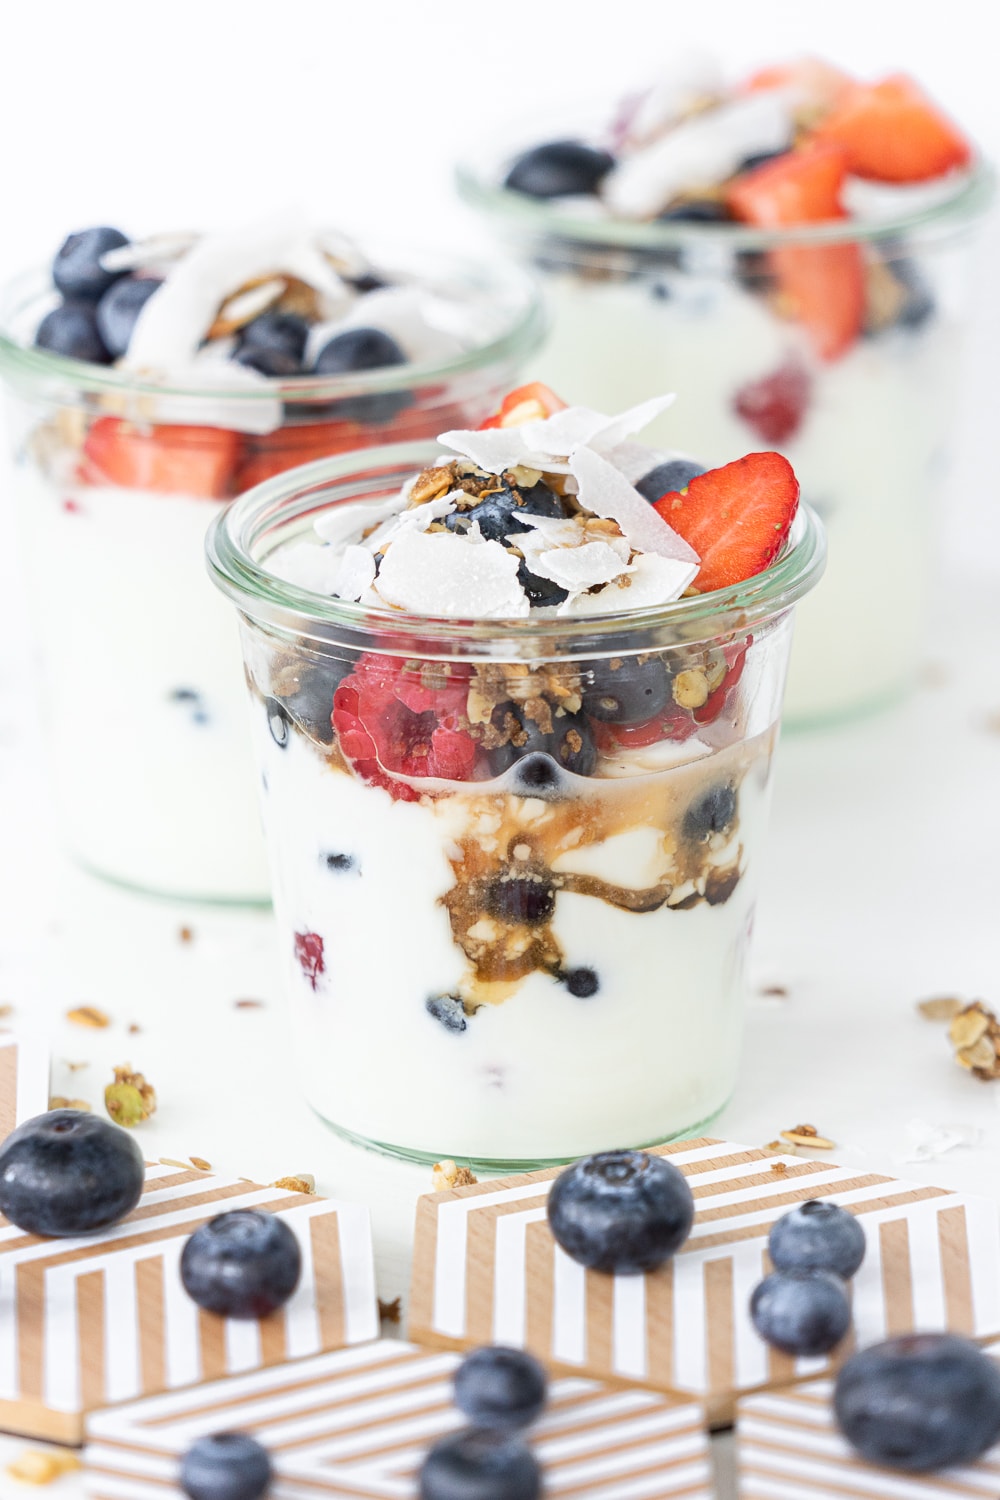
(881, 888)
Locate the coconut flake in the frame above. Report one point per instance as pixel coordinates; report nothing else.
(307, 565)
(494, 450)
(648, 580)
(438, 573)
(356, 573)
(608, 493)
(159, 251)
(203, 377)
(580, 568)
(928, 1141)
(343, 521)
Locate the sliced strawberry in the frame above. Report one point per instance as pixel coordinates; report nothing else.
(736, 518)
(198, 461)
(527, 403)
(276, 452)
(775, 405)
(892, 132)
(801, 187)
(812, 81)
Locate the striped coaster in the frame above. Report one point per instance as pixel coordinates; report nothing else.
(788, 1448)
(24, 1080)
(487, 1269)
(357, 1423)
(105, 1318)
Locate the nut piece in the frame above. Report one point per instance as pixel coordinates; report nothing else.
(58, 1101)
(447, 1174)
(940, 1008)
(35, 1467)
(807, 1135)
(305, 1182)
(975, 1035)
(201, 1163)
(968, 1026)
(88, 1015)
(429, 484)
(130, 1099)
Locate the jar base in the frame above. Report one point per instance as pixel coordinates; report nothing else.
(502, 1166)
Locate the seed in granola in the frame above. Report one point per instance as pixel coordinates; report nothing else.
(88, 1015)
(129, 1099)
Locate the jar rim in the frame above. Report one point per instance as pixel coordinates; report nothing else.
(498, 280)
(234, 544)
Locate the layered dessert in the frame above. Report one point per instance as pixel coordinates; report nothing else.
(515, 774)
(792, 249)
(151, 381)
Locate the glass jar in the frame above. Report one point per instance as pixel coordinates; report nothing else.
(115, 481)
(706, 309)
(511, 953)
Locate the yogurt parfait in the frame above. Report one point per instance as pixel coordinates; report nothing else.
(150, 381)
(515, 698)
(792, 249)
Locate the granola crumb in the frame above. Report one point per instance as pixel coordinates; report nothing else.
(807, 1135)
(129, 1099)
(447, 1174)
(185, 934)
(249, 1004)
(778, 1168)
(302, 1182)
(88, 1015)
(133, 1028)
(35, 1467)
(74, 1067)
(171, 1161)
(975, 1035)
(390, 1312)
(5, 1011)
(59, 1101)
(201, 1163)
(773, 991)
(940, 1007)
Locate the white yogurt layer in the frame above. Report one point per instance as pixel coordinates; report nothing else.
(541, 1074)
(142, 688)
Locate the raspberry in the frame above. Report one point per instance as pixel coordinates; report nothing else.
(775, 405)
(393, 716)
(309, 952)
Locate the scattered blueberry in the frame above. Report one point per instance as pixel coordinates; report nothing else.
(674, 474)
(621, 1212)
(71, 330)
(340, 863)
(311, 704)
(358, 349)
(242, 1264)
(920, 1402)
(713, 812)
(118, 310)
(67, 1172)
(477, 1464)
(559, 169)
(273, 363)
(817, 1236)
(225, 1466)
(280, 333)
(500, 1388)
(696, 211)
(278, 722)
(77, 271)
(626, 690)
(449, 1010)
(520, 899)
(801, 1312)
(581, 983)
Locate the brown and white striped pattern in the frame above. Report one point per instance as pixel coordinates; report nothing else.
(24, 1081)
(357, 1423)
(789, 1449)
(487, 1269)
(90, 1321)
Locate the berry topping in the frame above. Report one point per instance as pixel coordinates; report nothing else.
(242, 1264)
(67, 1173)
(736, 518)
(801, 1312)
(71, 330)
(309, 954)
(277, 722)
(528, 403)
(279, 333)
(920, 1402)
(559, 169)
(274, 363)
(358, 349)
(817, 1236)
(195, 461)
(520, 899)
(118, 310)
(449, 1010)
(892, 132)
(674, 474)
(775, 405)
(225, 1466)
(390, 718)
(626, 690)
(622, 1212)
(714, 812)
(77, 271)
(477, 1464)
(500, 1388)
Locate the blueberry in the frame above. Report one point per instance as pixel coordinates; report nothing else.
(118, 310)
(760, 159)
(817, 1236)
(340, 864)
(542, 592)
(311, 704)
(77, 271)
(919, 306)
(477, 1464)
(920, 1402)
(696, 211)
(581, 983)
(71, 330)
(500, 1388)
(559, 169)
(242, 1264)
(713, 812)
(626, 690)
(278, 722)
(498, 512)
(522, 900)
(622, 1212)
(368, 281)
(801, 1312)
(225, 1466)
(280, 333)
(67, 1172)
(358, 349)
(537, 774)
(673, 474)
(449, 1010)
(273, 363)
(572, 744)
